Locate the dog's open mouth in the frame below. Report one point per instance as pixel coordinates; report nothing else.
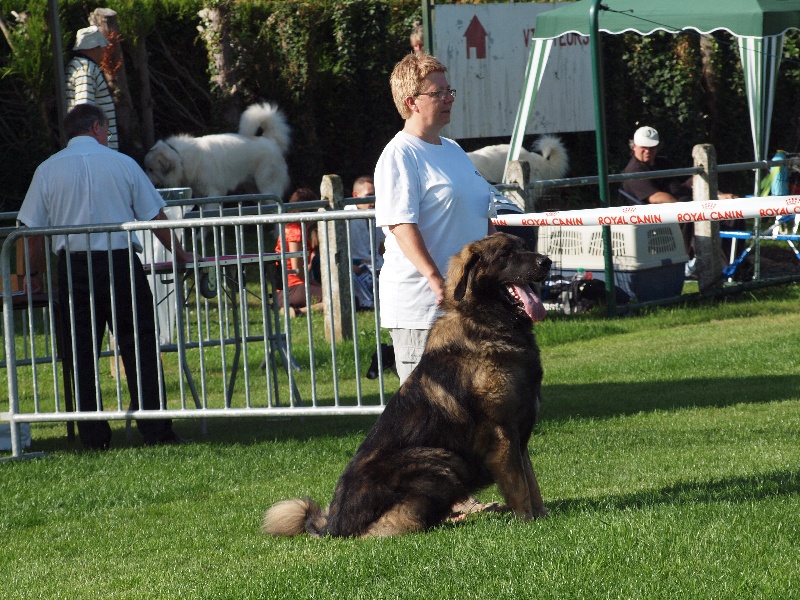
(526, 301)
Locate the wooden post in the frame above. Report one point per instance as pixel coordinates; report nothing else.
(706, 233)
(333, 250)
(519, 174)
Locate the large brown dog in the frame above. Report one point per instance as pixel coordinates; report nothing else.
(460, 422)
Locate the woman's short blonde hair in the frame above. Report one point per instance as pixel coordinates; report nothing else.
(407, 78)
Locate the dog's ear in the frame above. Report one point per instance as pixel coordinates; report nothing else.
(464, 277)
(165, 165)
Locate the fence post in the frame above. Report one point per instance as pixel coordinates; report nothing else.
(519, 174)
(706, 233)
(336, 280)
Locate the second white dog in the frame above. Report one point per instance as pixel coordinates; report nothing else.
(215, 165)
(549, 160)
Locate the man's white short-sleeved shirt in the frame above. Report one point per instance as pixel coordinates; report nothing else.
(437, 187)
(87, 183)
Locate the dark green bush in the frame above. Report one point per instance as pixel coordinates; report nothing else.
(326, 63)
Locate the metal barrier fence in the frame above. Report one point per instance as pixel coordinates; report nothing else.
(227, 347)
(226, 344)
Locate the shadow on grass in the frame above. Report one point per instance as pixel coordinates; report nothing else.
(732, 489)
(223, 431)
(601, 400)
(560, 403)
(254, 430)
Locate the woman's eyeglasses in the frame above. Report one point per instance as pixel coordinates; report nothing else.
(439, 95)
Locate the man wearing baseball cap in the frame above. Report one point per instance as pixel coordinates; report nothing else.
(644, 158)
(645, 146)
(86, 81)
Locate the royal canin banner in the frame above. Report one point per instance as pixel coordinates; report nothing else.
(647, 214)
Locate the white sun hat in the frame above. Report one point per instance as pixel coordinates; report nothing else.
(88, 38)
(646, 137)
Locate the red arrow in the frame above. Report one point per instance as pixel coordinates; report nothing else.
(476, 38)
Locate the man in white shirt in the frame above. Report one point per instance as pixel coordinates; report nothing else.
(87, 183)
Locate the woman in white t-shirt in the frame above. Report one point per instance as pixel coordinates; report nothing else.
(430, 200)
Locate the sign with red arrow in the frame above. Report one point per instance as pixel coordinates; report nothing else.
(485, 48)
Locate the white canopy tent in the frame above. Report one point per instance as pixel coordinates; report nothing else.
(759, 26)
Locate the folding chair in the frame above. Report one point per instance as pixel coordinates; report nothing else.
(775, 184)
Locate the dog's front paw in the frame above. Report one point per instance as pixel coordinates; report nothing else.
(541, 512)
(535, 513)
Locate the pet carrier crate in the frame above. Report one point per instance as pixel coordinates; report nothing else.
(649, 260)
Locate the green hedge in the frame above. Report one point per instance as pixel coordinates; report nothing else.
(325, 63)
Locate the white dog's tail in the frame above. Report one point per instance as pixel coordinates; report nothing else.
(556, 160)
(266, 120)
(293, 517)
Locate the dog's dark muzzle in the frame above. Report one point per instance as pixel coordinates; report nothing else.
(543, 265)
(540, 266)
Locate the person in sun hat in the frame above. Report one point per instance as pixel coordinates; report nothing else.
(645, 157)
(86, 81)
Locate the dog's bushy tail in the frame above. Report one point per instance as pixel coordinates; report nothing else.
(293, 517)
(553, 151)
(266, 120)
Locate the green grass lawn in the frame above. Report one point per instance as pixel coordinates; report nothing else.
(668, 454)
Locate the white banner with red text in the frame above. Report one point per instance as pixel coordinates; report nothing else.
(647, 214)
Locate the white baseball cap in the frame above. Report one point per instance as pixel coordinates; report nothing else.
(88, 38)
(646, 137)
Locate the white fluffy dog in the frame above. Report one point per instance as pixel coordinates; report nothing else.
(548, 160)
(215, 165)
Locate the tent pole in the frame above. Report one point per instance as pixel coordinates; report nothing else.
(602, 160)
(427, 25)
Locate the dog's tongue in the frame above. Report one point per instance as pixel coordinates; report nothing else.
(530, 301)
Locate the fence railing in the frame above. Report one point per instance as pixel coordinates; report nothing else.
(227, 344)
(526, 192)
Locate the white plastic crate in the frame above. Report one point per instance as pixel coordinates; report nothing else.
(648, 259)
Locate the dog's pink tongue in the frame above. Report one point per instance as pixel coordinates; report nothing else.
(533, 305)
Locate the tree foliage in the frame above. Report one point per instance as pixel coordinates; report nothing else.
(326, 63)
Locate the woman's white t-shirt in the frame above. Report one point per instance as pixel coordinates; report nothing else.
(438, 188)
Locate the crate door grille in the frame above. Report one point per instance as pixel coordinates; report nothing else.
(617, 243)
(660, 241)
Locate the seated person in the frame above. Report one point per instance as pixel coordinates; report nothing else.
(417, 39)
(645, 158)
(296, 276)
(361, 246)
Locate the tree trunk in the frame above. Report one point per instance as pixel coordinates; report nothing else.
(114, 69)
(148, 127)
(214, 32)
